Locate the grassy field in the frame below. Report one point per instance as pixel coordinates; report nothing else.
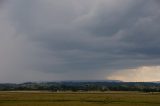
(79, 99)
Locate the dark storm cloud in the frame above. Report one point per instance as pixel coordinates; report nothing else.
(86, 39)
(56, 30)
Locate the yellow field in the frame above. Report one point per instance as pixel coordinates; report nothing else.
(79, 99)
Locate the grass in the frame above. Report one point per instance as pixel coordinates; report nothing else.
(79, 99)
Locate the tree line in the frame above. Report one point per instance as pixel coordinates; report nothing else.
(83, 86)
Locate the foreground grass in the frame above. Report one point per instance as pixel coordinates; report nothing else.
(79, 99)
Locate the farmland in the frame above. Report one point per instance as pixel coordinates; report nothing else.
(37, 98)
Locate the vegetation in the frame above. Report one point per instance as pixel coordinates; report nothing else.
(83, 86)
(79, 99)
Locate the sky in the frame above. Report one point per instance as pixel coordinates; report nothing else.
(56, 40)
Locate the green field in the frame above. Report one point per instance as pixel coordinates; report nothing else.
(79, 99)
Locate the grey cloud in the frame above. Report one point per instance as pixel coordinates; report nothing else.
(84, 38)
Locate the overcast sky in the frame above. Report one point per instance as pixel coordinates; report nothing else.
(50, 40)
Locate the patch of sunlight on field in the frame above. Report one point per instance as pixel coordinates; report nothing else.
(79, 99)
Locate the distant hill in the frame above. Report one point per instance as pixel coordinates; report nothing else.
(96, 85)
